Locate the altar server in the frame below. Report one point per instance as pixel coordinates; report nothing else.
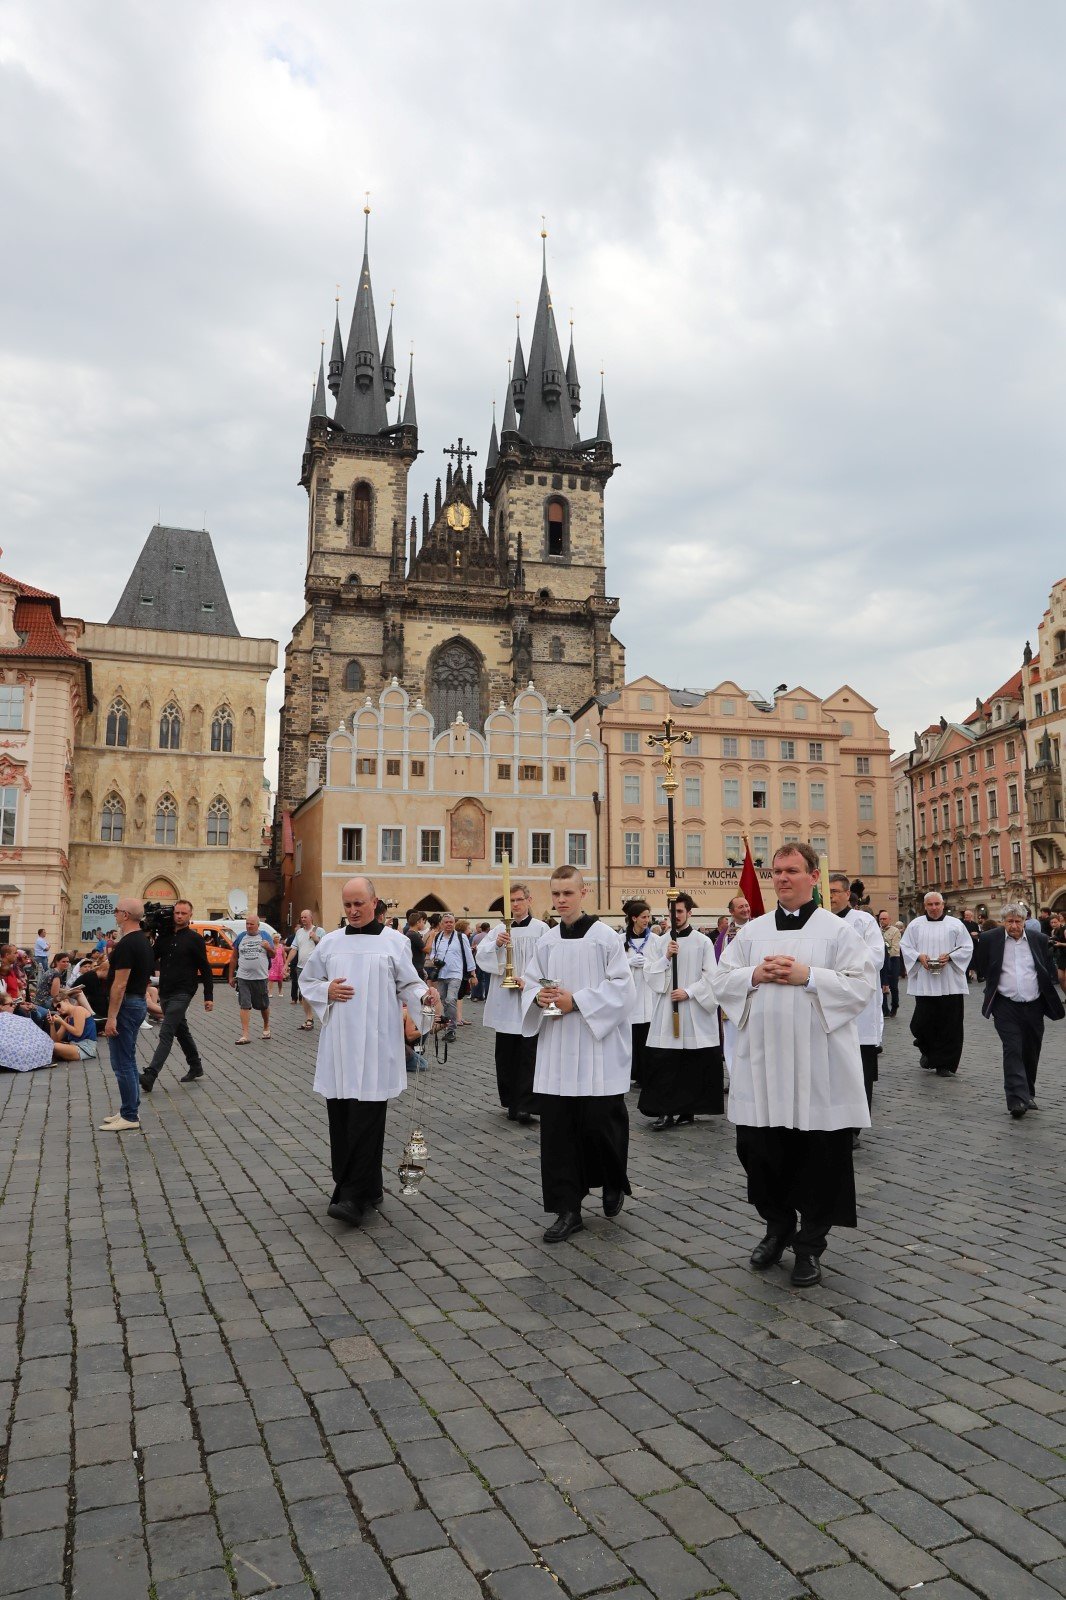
(871, 1021)
(794, 982)
(584, 1057)
(638, 939)
(516, 1056)
(937, 953)
(356, 987)
(683, 1076)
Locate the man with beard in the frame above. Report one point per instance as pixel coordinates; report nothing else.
(937, 953)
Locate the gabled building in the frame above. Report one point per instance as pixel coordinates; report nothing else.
(1044, 687)
(968, 782)
(487, 587)
(168, 768)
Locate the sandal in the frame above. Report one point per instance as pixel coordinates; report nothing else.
(266, 1035)
(306, 1027)
(242, 1040)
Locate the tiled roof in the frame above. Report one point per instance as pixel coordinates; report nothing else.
(39, 618)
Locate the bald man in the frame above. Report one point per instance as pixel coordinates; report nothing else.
(132, 964)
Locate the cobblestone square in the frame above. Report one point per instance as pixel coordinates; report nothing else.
(208, 1388)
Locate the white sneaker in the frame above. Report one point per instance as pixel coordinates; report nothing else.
(119, 1125)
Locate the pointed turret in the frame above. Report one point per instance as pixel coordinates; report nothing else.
(573, 386)
(361, 402)
(603, 432)
(336, 356)
(318, 404)
(409, 418)
(547, 418)
(510, 421)
(494, 445)
(518, 371)
(388, 361)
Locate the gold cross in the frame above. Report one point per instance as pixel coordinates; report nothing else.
(670, 736)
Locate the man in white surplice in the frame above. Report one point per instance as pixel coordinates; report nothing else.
(356, 981)
(794, 983)
(871, 1020)
(937, 953)
(516, 1056)
(584, 1057)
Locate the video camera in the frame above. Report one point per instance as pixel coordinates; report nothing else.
(158, 918)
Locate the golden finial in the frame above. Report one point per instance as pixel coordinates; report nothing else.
(518, 310)
(337, 296)
(508, 371)
(543, 229)
(366, 207)
(392, 302)
(571, 316)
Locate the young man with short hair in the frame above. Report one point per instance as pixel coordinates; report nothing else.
(516, 1055)
(253, 951)
(132, 962)
(584, 1057)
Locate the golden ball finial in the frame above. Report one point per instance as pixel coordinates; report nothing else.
(366, 207)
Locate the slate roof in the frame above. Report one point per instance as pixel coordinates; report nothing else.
(176, 585)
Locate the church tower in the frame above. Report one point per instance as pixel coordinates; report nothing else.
(489, 589)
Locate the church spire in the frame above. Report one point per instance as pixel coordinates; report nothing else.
(603, 432)
(336, 355)
(548, 417)
(388, 360)
(573, 386)
(361, 402)
(494, 445)
(518, 371)
(510, 421)
(409, 418)
(318, 404)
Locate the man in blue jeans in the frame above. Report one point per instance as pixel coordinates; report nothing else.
(132, 963)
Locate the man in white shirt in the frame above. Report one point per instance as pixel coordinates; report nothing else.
(304, 941)
(450, 961)
(937, 952)
(1021, 989)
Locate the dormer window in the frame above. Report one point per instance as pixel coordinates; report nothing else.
(147, 600)
(207, 605)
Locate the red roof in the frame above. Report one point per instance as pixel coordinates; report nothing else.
(1011, 690)
(38, 616)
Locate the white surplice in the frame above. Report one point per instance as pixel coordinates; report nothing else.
(871, 1021)
(503, 1008)
(361, 1048)
(644, 998)
(588, 1051)
(946, 937)
(696, 973)
(797, 1061)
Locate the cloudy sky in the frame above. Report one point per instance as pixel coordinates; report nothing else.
(818, 249)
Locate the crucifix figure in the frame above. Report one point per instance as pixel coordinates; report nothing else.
(670, 736)
(459, 451)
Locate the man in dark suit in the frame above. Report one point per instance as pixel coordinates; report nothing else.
(1021, 989)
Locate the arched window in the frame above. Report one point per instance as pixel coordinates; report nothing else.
(556, 526)
(170, 727)
(455, 685)
(353, 676)
(166, 820)
(555, 648)
(218, 822)
(117, 731)
(112, 819)
(362, 505)
(222, 730)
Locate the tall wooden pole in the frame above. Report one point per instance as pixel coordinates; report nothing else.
(666, 741)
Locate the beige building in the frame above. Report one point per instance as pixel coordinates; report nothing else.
(45, 691)
(429, 815)
(1044, 691)
(903, 813)
(768, 771)
(168, 769)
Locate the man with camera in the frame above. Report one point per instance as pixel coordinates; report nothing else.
(450, 962)
(181, 954)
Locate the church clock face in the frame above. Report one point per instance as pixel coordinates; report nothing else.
(458, 517)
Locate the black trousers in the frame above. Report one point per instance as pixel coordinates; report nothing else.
(294, 982)
(681, 1083)
(1020, 1025)
(516, 1062)
(639, 1031)
(810, 1173)
(174, 1026)
(584, 1144)
(869, 1071)
(356, 1148)
(890, 975)
(936, 1024)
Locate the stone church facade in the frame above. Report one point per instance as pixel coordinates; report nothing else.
(489, 589)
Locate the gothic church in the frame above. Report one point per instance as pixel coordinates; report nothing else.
(491, 589)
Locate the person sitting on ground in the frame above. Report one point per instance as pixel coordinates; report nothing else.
(73, 1028)
(92, 981)
(52, 979)
(23, 1045)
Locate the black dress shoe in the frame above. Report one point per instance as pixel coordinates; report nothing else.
(688, 1117)
(191, 1076)
(806, 1271)
(768, 1251)
(924, 1061)
(566, 1223)
(525, 1118)
(856, 1142)
(1032, 1106)
(613, 1201)
(147, 1082)
(944, 1072)
(345, 1211)
(660, 1123)
(1017, 1109)
(512, 1116)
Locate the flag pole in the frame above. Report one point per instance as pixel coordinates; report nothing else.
(666, 740)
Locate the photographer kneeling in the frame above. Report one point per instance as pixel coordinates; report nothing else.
(181, 954)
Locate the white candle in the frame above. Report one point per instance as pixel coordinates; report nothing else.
(506, 884)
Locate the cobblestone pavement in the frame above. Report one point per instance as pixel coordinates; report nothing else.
(208, 1389)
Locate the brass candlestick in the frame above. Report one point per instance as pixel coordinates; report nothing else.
(508, 981)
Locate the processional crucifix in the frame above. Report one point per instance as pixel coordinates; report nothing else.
(670, 736)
